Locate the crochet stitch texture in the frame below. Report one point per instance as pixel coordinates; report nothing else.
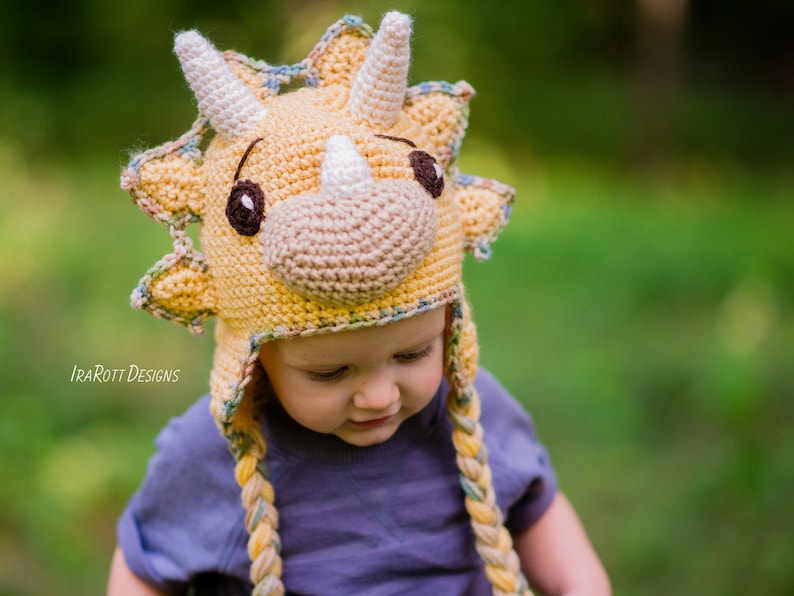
(331, 207)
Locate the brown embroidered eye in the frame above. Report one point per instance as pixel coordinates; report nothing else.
(427, 172)
(245, 208)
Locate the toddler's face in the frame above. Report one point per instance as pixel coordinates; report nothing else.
(359, 385)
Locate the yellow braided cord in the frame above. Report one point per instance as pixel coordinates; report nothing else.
(493, 541)
(261, 518)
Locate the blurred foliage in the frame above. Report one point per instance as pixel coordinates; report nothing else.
(559, 74)
(640, 307)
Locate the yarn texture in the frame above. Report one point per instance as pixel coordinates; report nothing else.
(331, 207)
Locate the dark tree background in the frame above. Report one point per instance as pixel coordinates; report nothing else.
(643, 81)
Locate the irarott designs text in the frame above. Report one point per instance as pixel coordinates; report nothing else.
(131, 374)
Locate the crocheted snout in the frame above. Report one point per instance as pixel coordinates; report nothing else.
(355, 240)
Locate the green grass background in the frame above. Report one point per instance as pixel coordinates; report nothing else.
(647, 325)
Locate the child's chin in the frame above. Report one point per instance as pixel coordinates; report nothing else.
(369, 437)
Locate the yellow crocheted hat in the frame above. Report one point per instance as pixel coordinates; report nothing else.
(330, 207)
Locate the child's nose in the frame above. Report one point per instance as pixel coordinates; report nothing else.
(377, 392)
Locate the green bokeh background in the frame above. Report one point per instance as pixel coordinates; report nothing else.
(639, 303)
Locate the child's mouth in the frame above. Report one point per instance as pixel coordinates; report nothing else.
(374, 423)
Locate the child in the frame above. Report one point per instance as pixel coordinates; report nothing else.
(345, 381)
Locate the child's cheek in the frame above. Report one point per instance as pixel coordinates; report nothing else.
(432, 378)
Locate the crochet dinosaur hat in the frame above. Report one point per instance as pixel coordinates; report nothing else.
(329, 207)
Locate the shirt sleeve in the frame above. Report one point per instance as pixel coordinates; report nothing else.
(185, 520)
(524, 479)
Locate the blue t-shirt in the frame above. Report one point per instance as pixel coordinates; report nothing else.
(385, 519)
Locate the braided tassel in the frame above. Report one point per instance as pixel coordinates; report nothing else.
(261, 518)
(493, 541)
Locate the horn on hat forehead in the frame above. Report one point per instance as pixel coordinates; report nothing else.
(231, 107)
(378, 91)
(344, 172)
